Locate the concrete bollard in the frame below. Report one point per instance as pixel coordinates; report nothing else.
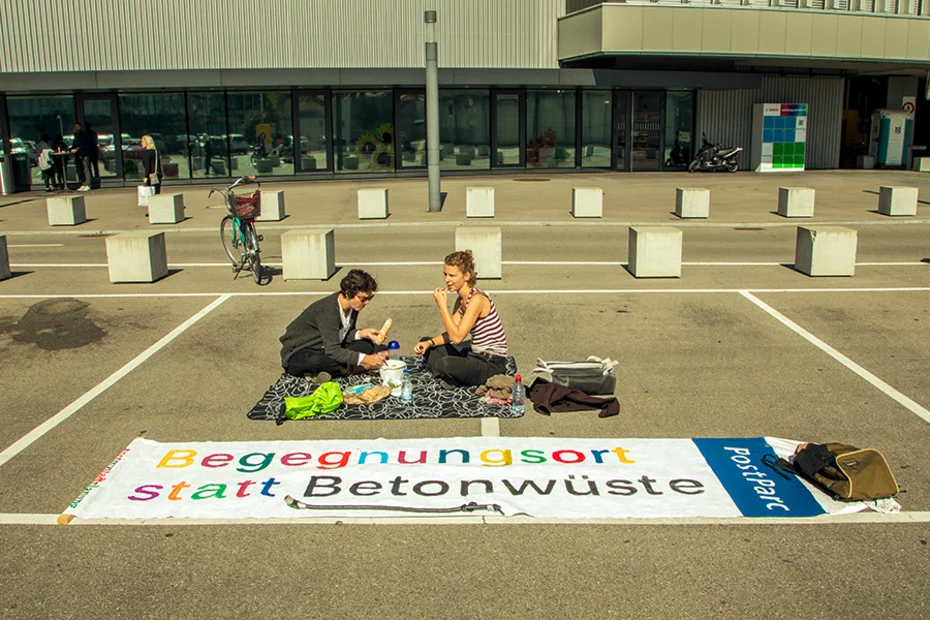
(4, 259)
(272, 207)
(65, 210)
(485, 245)
(795, 202)
(479, 202)
(655, 252)
(826, 251)
(692, 202)
(166, 209)
(373, 203)
(308, 254)
(922, 164)
(137, 256)
(587, 202)
(897, 200)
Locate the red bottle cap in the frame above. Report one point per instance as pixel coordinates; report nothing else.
(518, 379)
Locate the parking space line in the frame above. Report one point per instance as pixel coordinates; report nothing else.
(598, 291)
(490, 427)
(903, 400)
(529, 263)
(859, 518)
(101, 387)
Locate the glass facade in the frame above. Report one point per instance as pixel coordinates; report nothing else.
(311, 113)
(204, 134)
(595, 128)
(550, 129)
(464, 129)
(363, 131)
(161, 116)
(679, 138)
(30, 119)
(261, 140)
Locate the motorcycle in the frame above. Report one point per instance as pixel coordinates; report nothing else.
(678, 157)
(712, 157)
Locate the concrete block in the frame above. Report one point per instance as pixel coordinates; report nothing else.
(350, 162)
(865, 162)
(485, 246)
(796, 201)
(308, 164)
(308, 254)
(479, 202)
(826, 250)
(655, 252)
(587, 202)
(483, 150)
(922, 164)
(4, 259)
(137, 256)
(897, 200)
(219, 166)
(65, 210)
(692, 202)
(463, 159)
(373, 203)
(263, 166)
(166, 209)
(272, 207)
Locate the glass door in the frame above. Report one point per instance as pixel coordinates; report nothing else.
(646, 138)
(99, 115)
(410, 108)
(508, 132)
(621, 159)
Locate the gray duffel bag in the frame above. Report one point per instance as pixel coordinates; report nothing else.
(594, 376)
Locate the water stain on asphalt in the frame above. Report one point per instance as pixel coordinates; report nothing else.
(55, 325)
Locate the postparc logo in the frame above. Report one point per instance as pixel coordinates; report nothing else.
(544, 477)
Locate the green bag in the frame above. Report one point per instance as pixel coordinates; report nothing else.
(326, 398)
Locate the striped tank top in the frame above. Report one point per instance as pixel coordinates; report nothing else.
(487, 334)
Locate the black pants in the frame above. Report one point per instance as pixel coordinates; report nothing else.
(459, 365)
(313, 361)
(59, 172)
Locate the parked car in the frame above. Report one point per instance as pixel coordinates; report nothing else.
(238, 145)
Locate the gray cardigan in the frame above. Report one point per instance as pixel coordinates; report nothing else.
(317, 327)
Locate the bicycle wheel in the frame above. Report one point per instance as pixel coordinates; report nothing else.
(230, 244)
(251, 246)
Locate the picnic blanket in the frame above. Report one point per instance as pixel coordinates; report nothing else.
(430, 400)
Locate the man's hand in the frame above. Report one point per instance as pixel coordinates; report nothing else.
(370, 333)
(421, 347)
(371, 362)
(441, 297)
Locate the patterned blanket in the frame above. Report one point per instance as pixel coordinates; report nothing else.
(430, 400)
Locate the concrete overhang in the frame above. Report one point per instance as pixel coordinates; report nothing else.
(743, 34)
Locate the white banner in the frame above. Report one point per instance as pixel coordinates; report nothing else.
(540, 477)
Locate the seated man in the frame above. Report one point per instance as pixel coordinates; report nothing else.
(322, 343)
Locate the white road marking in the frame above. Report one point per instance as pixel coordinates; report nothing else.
(490, 427)
(101, 387)
(903, 400)
(600, 291)
(859, 518)
(550, 263)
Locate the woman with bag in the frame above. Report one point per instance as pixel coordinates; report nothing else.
(151, 164)
(451, 359)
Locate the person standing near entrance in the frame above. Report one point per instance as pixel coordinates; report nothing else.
(46, 165)
(94, 146)
(151, 164)
(81, 150)
(59, 160)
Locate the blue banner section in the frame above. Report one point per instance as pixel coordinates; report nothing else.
(757, 489)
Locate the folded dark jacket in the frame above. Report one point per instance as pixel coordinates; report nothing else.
(548, 397)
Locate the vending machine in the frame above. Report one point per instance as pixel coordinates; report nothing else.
(890, 138)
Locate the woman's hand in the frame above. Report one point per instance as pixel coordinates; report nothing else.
(441, 297)
(421, 348)
(370, 333)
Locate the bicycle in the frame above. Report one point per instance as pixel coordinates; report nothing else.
(237, 229)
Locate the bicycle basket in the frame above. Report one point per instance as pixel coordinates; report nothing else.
(247, 208)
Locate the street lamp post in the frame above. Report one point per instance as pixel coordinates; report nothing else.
(432, 110)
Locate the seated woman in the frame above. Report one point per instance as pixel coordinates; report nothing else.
(451, 359)
(322, 343)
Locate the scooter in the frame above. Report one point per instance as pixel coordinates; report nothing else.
(712, 157)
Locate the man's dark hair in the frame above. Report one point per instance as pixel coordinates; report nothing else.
(357, 281)
(46, 138)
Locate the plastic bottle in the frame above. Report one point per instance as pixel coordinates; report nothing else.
(518, 397)
(394, 350)
(406, 387)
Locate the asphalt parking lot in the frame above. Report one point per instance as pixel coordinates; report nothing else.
(742, 345)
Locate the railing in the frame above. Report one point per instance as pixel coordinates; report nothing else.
(907, 8)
